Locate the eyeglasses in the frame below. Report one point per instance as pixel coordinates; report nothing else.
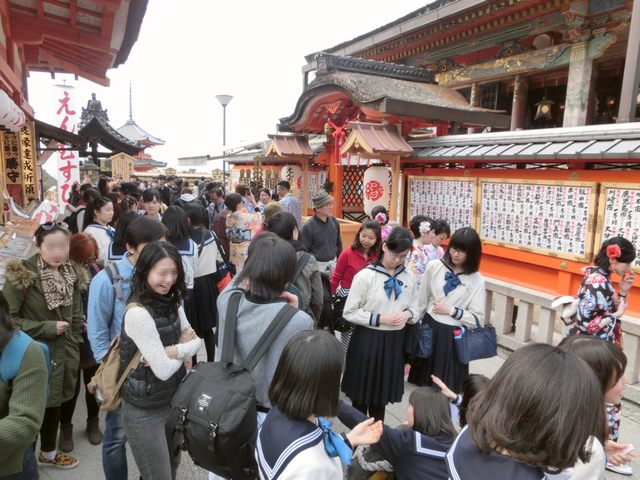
(398, 256)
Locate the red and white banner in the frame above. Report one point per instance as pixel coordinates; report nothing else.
(67, 161)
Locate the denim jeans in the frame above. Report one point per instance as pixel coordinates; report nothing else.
(146, 431)
(114, 450)
(29, 468)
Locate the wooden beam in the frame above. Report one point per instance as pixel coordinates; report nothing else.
(394, 211)
(305, 185)
(29, 29)
(631, 78)
(40, 9)
(73, 14)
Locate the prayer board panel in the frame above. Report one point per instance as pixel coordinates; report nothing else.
(619, 214)
(449, 198)
(549, 217)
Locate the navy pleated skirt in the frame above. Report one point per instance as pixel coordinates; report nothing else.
(443, 362)
(374, 370)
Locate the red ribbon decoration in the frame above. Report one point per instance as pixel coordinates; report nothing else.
(339, 138)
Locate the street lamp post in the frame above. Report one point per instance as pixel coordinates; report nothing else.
(224, 101)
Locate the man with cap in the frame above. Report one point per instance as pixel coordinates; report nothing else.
(321, 233)
(289, 202)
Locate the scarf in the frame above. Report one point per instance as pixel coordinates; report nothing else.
(334, 444)
(57, 286)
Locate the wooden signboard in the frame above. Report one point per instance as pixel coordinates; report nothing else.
(28, 160)
(549, 217)
(619, 214)
(453, 199)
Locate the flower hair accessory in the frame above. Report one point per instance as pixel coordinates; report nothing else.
(425, 227)
(381, 218)
(613, 251)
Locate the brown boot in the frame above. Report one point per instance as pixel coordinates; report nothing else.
(65, 439)
(93, 430)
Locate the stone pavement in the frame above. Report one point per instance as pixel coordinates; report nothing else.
(90, 456)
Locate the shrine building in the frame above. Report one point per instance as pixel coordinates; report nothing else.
(81, 38)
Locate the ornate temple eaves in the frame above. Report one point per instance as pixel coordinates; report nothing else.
(535, 60)
(327, 63)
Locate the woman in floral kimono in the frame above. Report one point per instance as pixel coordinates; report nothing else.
(600, 308)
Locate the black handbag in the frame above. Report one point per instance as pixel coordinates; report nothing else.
(418, 340)
(481, 342)
(339, 323)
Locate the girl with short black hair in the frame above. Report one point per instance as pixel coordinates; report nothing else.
(452, 294)
(416, 449)
(175, 219)
(155, 325)
(381, 301)
(533, 418)
(295, 441)
(152, 204)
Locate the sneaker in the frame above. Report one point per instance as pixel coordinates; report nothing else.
(61, 460)
(622, 469)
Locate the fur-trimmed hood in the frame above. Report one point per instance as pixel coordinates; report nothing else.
(24, 273)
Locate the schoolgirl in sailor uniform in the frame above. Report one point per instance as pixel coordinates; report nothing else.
(382, 300)
(97, 218)
(532, 421)
(452, 294)
(295, 441)
(417, 449)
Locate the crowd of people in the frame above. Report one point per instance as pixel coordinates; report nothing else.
(155, 265)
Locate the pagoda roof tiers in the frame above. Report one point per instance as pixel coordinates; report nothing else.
(137, 134)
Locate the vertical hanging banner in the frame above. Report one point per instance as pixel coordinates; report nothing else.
(12, 169)
(67, 165)
(28, 160)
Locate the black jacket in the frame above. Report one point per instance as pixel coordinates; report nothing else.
(142, 388)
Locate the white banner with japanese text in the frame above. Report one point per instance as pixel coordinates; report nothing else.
(67, 161)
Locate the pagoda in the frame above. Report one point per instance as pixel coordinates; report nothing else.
(139, 136)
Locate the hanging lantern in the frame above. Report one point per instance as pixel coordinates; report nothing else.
(544, 108)
(293, 174)
(11, 117)
(377, 188)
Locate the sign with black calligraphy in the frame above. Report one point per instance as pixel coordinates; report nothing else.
(448, 198)
(28, 158)
(619, 214)
(11, 155)
(550, 217)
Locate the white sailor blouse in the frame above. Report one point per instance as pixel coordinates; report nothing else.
(375, 292)
(288, 449)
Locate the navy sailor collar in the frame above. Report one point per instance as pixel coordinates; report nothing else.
(376, 267)
(280, 439)
(185, 247)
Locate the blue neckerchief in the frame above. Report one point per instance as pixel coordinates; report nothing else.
(110, 231)
(451, 282)
(334, 444)
(391, 284)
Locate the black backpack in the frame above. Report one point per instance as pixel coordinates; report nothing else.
(213, 412)
(326, 316)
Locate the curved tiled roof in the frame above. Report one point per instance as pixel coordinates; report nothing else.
(135, 133)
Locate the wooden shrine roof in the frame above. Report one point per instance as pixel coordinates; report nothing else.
(389, 96)
(593, 142)
(375, 139)
(99, 130)
(83, 37)
(289, 145)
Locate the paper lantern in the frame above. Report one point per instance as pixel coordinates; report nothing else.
(293, 174)
(11, 117)
(377, 188)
